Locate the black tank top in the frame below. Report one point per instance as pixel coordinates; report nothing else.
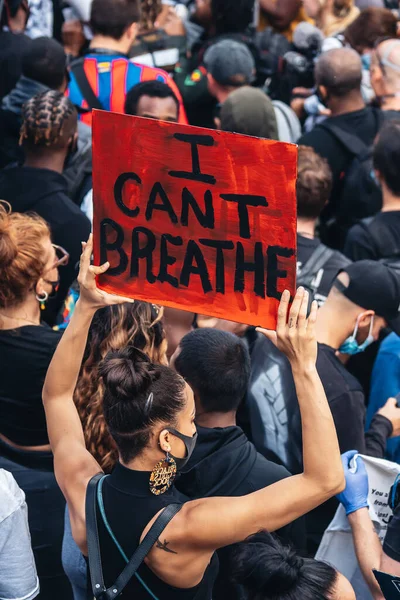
(129, 506)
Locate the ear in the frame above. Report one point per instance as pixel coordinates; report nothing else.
(39, 288)
(365, 318)
(217, 123)
(164, 441)
(132, 32)
(323, 92)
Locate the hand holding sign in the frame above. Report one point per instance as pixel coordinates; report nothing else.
(295, 337)
(194, 219)
(90, 294)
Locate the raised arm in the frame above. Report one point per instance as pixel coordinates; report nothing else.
(71, 459)
(212, 523)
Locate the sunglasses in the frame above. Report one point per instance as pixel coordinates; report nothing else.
(62, 257)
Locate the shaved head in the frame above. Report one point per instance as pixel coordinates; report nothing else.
(387, 58)
(339, 70)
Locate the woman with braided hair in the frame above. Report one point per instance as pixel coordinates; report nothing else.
(48, 137)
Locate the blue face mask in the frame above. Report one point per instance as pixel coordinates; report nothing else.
(366, 61)
(351, 346)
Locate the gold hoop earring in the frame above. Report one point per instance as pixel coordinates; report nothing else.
(163, 475)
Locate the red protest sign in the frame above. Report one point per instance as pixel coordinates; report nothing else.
(193, 218)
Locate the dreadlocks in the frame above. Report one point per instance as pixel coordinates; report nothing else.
(232, 16)
(47, 119)
(150, 9)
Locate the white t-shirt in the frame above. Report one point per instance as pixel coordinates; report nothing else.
(18, 577)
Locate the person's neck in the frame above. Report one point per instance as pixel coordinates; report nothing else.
(216, 419)
(108, 43)
(306, 227)
(223, 94)
(17, 24)
(27, 313)
(330, 328)
(53, 162)
(390, 201)
(145, 462)
(348, 104)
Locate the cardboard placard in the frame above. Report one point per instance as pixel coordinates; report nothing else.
(194, 218)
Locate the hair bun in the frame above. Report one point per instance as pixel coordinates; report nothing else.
(8, 247)
(263, 564)
(126, 373)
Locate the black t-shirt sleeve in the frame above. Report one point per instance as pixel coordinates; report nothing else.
(377, 435)
(348, 411)
(391, 545)
(358, 244)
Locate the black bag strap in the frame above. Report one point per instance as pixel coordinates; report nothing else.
(317, 260)
(77, 68)
(96, 572)
(350, 141)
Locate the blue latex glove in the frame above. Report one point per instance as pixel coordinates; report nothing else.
(355, 496)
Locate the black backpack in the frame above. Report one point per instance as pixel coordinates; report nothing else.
(360, 194)
(309, 272)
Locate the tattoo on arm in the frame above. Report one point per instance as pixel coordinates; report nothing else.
(164, 546)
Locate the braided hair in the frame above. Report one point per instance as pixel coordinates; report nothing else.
(47, 119)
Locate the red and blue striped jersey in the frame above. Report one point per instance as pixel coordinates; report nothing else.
(111, 77)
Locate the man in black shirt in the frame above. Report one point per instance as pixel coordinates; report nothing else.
(49, 134)
(379, 237)
(338, 76)
(216, 364)
(363, 300)
(220, 19)
(314, 183)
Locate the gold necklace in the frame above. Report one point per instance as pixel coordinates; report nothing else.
(23, 319)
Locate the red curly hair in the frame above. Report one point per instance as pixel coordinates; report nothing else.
(22, 259)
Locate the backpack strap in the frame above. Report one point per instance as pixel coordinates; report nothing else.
(350, 141)
(96, 573)
(317, 260)
(77, 69)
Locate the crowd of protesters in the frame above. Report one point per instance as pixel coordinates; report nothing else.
(150, 452)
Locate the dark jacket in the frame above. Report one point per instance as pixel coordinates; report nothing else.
(45, 192)
(78, 169)
(225, 463)
(12, 48)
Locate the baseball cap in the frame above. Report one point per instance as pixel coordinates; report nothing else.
(230, 63)
(249, 111)
(374, 285)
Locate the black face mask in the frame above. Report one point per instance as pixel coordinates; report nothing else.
(190, 443)
(54, 287)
